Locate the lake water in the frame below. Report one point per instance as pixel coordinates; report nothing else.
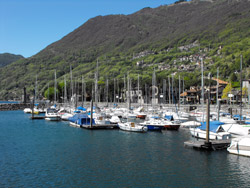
(38, 153)
(9, 102)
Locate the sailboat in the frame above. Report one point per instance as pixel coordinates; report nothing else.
(51, 113)
(240, 146)
(132, 126)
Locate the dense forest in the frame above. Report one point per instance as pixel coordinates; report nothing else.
(7, 58)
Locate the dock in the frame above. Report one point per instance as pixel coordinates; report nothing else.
(37, 117)
(108, 126)
(213, 144)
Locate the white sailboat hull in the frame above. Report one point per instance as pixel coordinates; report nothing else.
(240, 146)
(132, 127)
(198, 133)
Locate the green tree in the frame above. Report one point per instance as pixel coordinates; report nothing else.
(233, 77)
(244, 91)
(226, 91)
(49, 93)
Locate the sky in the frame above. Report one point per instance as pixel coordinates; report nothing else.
(28, 26)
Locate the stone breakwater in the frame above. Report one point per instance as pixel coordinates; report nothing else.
(9, 107)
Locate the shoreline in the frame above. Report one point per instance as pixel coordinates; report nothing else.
(13, 106)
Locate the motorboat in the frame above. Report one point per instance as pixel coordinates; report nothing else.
(52, 115)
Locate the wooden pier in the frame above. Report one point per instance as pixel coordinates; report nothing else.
(37, 117)
(212, 145)
(109, 126)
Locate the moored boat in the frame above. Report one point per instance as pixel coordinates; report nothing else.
(133, 127)
(27, 110)
(80, 120)
(52, 115)
(172, 125)
(240, 146)
(154, 124)
(216, 131)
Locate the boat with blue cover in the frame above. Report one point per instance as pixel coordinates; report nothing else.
(84, 121)
(216, 131)
(81, 120)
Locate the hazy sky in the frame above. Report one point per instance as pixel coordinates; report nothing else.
(28, 26)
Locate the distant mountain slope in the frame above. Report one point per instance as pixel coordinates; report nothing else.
(7, 58)
(152, 25)
(113, 39)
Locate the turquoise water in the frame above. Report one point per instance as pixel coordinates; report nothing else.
(38, 153)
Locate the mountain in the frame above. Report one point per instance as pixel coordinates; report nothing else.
(153, 37)
(7, 58)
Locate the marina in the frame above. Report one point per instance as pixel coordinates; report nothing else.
(159, 97)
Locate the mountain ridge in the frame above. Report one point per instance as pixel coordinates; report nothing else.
(114, 38)
(8, 58)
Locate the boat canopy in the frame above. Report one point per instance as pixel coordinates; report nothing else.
(238, 117)
(81, 108)
(169, 117)
(81, 119)
(214, 126)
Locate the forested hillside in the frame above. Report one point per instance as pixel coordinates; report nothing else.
(7, 58)
(172, 39)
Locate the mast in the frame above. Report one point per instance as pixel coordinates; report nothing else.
(217, 94)
(76, 84)
(202, 89)
(164, 90)
(65, 90)
(71, 87)
(183, 89)
(82, 90)
(48, 91)
(35, 91)
(107, 91)
(114, 91)
(169, 92)
(207, 142)
(153, 88)
(128, 97)
(55, 88)
(240, 88)
(138, 90)
(179, 91)
(124, 85)
(96, 90)
(96, 82)
(118, 91)
(173, 89)
(146, 94)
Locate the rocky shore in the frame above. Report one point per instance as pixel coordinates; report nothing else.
(10, 107)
